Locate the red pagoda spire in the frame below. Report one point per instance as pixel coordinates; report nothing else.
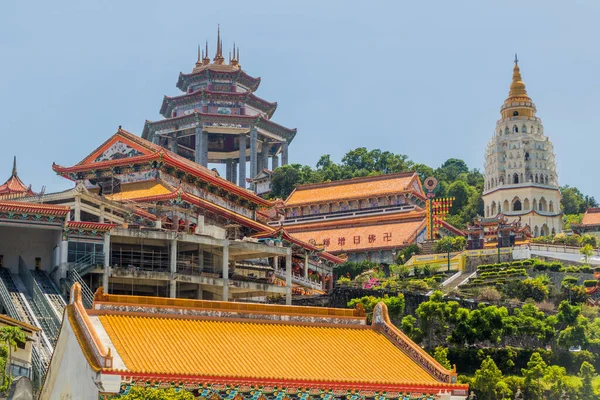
(14, 187)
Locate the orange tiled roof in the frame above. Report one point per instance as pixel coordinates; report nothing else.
(363, 237)
(264, 344)
(591, 216)
(357, 188)
(46, 209)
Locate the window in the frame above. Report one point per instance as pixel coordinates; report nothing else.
(515, 113)
(517, 205)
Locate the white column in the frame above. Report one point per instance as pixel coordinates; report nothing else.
(77, 209)
(62, 259)
(306, 266)
(173, 268)
(101, 218)
(242, 162)
(274, 162)
(288, 278)
(225, 270)
(106, 273)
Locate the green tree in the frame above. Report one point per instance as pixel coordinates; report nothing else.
(487, 381)
(409, 326)
(574, 202)
(441, 355)
(11, 336)
(587, 251)
(462, 192)
(451, 168)
(587, 374)
(534, 375)
(138, 393)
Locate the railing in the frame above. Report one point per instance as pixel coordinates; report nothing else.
(87, 296)
(43, 310)
(558, 248)
(87, 262)
(51, 292)
(300, 280)
(7, 302)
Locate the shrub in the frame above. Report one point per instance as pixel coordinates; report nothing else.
(555, 266)
(344, 281)
(490, 294)
(586, 269)
(590, 283)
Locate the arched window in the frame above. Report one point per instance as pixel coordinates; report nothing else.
(515, 113)
(494, 209)
(551, 206)
(531, 178)
(543, 206)
(502, 180)
(515, 129)
(534, 205)
(516, 178)
(526, 204)
(506, 130)
(506, 206)
(526, 156)
(536, 231)
(524, 129)
(517, 204)
(544, 231)
(546, 179)
(536, 178)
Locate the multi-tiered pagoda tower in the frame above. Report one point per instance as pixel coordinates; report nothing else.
(520, 168)
(220, 120)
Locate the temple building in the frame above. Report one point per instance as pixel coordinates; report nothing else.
(520, 167)
(14, 187)
(368, 218)
(590, 223)
(496, 232)
(265, 351)
(220, 120)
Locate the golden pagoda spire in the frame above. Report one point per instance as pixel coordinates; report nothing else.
(234, 60)
(517, 87)
(219, 54)
(205, 59)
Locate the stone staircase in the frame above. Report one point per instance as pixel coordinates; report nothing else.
(427, 247)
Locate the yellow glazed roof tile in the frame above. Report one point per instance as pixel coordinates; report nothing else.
(366, 187)
(260, 350)
(139, 190)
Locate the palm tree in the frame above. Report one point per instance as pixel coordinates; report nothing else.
(11, 335)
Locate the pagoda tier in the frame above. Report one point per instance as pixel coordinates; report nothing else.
(220, 120)
(223, 103)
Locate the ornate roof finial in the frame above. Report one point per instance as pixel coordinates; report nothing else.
(14, 171)
(517, 87)
(234, 60)
(219, 54)
(199, 58)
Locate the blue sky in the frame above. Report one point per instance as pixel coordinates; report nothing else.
(424, 78)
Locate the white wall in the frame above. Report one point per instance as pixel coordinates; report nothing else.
(69, 376)
(28, 243)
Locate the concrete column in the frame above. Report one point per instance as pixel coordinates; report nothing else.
(173, 269)
(274, 162)
(242, 172)
(253, 153)
(63, 259)
(288, 278)
(199, 292)
(106, 272)
(264, 155)
(200, 224)
(233, 171)
(173, 144)
(77, 209)
(200, 257)
(101, 218)
(225, 270)
(306, 265)
(228, 170)
(284, 153)
(201, 147)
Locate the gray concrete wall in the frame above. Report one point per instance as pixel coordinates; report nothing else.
(28, 243)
